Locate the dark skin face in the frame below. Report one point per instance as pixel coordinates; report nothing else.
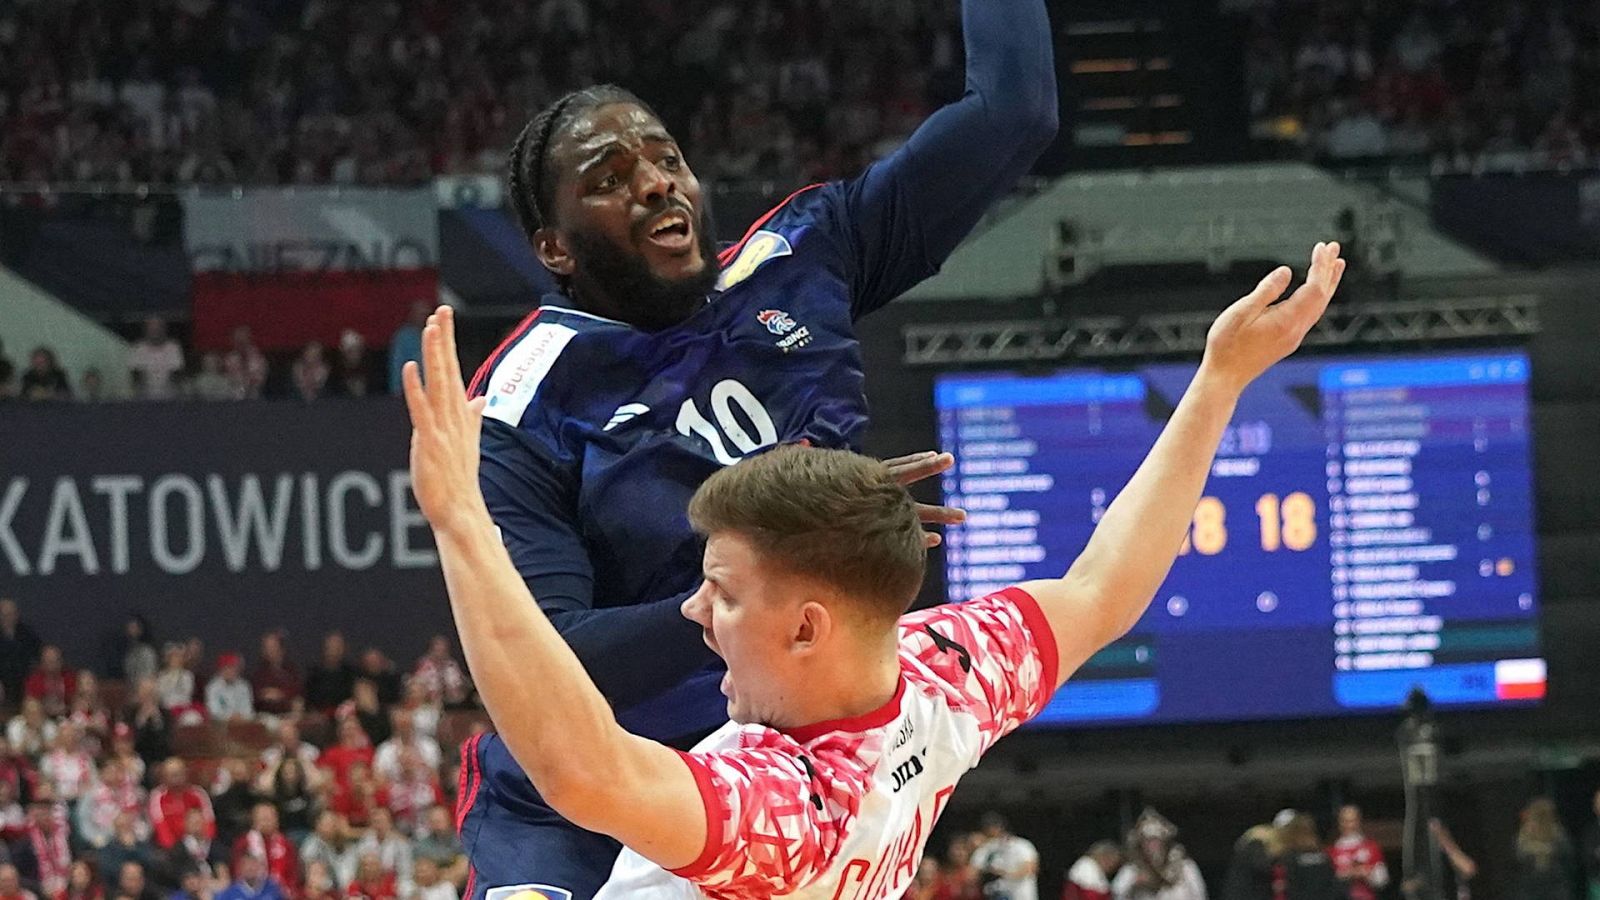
(628, 225)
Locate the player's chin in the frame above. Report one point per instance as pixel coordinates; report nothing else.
(675, 268)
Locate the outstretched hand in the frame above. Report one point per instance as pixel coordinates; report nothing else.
(915, 467)
(444, 428)
(1255, 333)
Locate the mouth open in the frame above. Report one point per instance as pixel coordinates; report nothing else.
(672, 231)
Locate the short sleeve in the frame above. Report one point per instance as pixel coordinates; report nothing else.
(994, 657)
(774, 819)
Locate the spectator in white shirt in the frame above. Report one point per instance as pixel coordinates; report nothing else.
(154, 362)
(228, 695)
(391, 848)
(386, 762)
(1011, 862)
(1158, 867)
(429, 885)
(290, 744)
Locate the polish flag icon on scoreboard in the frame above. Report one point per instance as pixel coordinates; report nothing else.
(1519, 679)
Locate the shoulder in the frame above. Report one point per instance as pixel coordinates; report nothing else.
(804, 216)
(1007, 623)
(535, 355)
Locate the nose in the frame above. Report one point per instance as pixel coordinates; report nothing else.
(695, 607)
(651, 183)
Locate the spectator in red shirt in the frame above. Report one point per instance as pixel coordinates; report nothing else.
(51, 683)
(1357, 859)
(372, 882)
(264, 840)
(364, 794)
(172, 800)
(353, 747)
(275, 680)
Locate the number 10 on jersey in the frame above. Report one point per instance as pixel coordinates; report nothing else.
(1288, 523)
(727, 394)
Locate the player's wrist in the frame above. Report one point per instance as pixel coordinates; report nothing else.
(1217, 382)
(465, 520)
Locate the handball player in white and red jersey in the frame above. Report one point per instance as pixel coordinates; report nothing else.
(852, 721)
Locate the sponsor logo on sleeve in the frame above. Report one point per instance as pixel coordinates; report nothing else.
(517, 378)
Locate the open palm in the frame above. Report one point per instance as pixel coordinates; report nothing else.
(1255, 332)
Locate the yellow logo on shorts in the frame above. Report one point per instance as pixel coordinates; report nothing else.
(528, 892)
(762, 247)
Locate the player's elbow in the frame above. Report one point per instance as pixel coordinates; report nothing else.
(580, 792)
(1028, 118)
(591, 786)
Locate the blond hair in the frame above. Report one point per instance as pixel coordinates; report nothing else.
(830, 515)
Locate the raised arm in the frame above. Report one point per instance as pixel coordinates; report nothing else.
(1108, 587)
(911, 209)
(542, 702)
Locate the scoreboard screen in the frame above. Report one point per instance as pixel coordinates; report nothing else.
(1367, 527)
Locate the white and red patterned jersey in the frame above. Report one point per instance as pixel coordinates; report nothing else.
(842, 810)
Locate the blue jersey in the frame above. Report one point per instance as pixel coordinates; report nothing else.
(597, 434)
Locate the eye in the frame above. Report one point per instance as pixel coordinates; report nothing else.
(607, 183)
(672, 162)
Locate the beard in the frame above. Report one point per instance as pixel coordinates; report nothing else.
(637, 295)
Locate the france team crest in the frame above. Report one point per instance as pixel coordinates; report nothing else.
(528, 892)
(776, 320)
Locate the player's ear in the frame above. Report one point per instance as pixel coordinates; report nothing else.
(812, 627)
(551, 247)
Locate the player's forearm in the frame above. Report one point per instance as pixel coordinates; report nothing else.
(553, 719)
(1138, 538)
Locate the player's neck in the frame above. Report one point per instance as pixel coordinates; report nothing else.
(846, 688)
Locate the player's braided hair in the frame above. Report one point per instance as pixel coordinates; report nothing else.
(527, 180)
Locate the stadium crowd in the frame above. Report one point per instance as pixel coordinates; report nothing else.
(397, 91)
(201, 782)
(160, 368)
(1467, 85)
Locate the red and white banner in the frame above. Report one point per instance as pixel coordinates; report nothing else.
(298, 265)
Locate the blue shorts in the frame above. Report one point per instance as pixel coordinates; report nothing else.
(517, 846)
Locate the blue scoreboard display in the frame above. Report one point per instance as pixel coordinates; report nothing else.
(1367, 528)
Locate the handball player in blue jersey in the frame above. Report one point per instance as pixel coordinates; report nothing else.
(661, 361)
